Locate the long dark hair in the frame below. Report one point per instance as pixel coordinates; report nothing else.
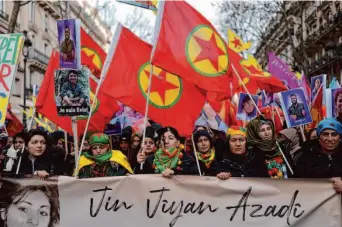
(13, 193)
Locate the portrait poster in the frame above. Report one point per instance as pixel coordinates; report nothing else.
(334, 102)
(10, 51)
(246, 108)
(72, 91)
(295, 107)
(69, 41)
(316, 83)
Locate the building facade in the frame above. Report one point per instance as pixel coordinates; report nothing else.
(308, 36)
(39, 19)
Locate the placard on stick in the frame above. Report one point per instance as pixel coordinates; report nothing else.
(72, 92)
(69, 43)
(295, 107)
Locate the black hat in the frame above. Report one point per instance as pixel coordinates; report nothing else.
(150, 133)
(205, 133)
(125, 138)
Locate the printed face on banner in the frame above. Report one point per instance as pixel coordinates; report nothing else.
(336, 97)
(295, 108)
(246, 108)
(72, 92)
(316, 83)
(29, 205)
(10, 48)
(67, 43)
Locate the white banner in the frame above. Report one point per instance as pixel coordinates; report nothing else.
(184, 201)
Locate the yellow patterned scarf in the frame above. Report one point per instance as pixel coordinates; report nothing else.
(207, 158)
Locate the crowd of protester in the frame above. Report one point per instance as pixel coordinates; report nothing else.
(254, 151)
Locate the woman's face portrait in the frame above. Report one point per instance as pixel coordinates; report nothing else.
(73, 78)
(265, 132)
(33, 209)
(37, 145)
(338, 105)
(169, 140)
(248, 106)
(149, 145)
(237, 144)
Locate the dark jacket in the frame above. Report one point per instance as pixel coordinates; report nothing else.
(187, 167)
(28, 166)
(249, 165)
(315, 164)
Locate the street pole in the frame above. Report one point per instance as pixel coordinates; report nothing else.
(24, 115)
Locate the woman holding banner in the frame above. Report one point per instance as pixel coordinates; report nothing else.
(170, 158)
(239, 160)
(27, 206)
(322, 157)
(101, 160)
(261, 136)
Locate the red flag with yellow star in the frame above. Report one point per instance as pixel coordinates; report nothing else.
(235, 42)
(103, 112)
(188, 45)
(92, 55)
(173, 101)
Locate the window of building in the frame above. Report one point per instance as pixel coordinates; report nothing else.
(33, 42)
(2, 6)
(32, 11)
(46, 22)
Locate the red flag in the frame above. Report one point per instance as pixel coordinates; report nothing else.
(189, 46)
(173, 101)
(316, 109)
(252, 76)
(92, 55)
(14, 125)
(104, 109)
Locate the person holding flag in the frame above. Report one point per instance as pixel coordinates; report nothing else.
(170, 158)
(261, 136)
(101, 161)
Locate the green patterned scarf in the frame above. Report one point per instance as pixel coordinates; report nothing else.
(164, 159)
(102, 158)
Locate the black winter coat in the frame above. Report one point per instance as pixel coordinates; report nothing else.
(27, 166)
(315, 164)
(250, 165)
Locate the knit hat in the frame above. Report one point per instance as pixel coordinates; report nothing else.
(205, 133)
(236, 130)
(150, 133)
(98, 138)
(125, 138)
(329, 123)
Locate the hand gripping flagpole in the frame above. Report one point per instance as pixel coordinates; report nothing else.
(107, 62)
(256, 106)
(22, 150)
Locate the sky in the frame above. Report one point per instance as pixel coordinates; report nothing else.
(203, 6)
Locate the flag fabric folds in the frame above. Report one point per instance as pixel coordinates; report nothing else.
(186, 44)
(173, 101)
